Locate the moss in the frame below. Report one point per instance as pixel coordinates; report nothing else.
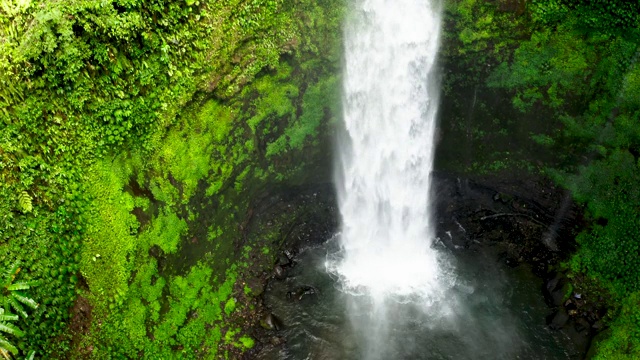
(247, 342)
(230, 306)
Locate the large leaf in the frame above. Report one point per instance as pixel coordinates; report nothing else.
(11, 329)
(17, 307)
(10, 273)
(19, 285)
(8, 317)
(25, 300)
(6, 347)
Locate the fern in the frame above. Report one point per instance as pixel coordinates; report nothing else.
(24, 202)
(11, 297)
(6, 347)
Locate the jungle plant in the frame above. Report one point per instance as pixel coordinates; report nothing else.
(6, 347)
(12, 297)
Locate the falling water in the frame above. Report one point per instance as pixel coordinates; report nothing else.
(385, 160)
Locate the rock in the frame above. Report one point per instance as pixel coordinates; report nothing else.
(283, 260)
(582, 326)
(277, 340)
(558, 320)
(271, 322)
(302, 291)
(597, 325)
(278, 272)
(290, 254)
(556, 289)
(256, 286)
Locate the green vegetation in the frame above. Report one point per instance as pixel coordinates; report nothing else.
(575, 65)
(13, 297)
(133, 136)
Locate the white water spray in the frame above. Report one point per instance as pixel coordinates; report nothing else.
(390, 104)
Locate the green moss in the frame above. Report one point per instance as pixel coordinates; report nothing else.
(110, 226)
(246, 342)
(230, 306)
(166, 231)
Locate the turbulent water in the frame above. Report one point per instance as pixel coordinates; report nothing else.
(391, 98)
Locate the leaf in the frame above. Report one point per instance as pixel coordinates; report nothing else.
(25, 202)
(11, 329)
(17, 307)
(10, 273)
(6, 347)
(8, 317)
(20, 285)
(25, 300)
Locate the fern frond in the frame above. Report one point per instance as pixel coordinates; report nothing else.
(25, 202)
(6, 347)
(10, 273)
(25, 300)
(31, 355)
(19, 285)
(11, 329)
(16, 306)
(8, 317)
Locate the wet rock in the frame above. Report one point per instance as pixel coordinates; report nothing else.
(301, 292)
(283, 260)
(256, 286)
(270, 322)
(556, 289)
(597, 325)
(279, 273)
(559, 319)
(277, 340)
(290, 254)
(582, 326)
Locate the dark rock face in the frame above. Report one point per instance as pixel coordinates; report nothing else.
(526, 220)
(529, 222)
(287, 221)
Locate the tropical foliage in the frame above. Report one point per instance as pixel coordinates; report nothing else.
(13, 297)
(575, 65)
(125, 130)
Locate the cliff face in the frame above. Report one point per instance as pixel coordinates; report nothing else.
(135, 137)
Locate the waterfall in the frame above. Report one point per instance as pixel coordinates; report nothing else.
(386, 158)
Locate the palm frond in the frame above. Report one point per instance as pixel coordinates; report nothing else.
(5, 353)
(25, 202)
